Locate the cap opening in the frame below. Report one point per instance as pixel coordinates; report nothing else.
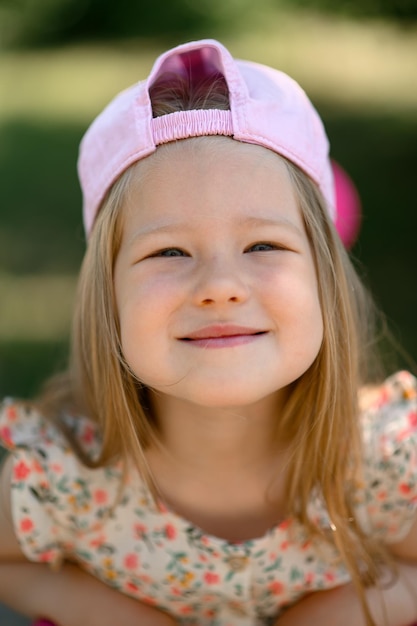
(189, 80)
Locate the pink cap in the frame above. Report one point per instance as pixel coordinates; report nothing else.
(267, 108)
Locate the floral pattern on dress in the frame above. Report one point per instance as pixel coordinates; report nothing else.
(113, 529)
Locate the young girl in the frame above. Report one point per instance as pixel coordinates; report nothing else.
(213, 452)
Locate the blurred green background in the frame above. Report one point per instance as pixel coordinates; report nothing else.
(62, 60)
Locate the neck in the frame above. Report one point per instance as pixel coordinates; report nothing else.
(232, 438)
(222, 469)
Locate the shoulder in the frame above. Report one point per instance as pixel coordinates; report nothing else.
(389, 417)
(389, 428)
(53, 493)
(40, 445)
(23, 426)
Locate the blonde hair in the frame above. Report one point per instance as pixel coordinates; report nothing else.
(320, 420)
(321, 417)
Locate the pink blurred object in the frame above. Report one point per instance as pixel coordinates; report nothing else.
(348, 206)
(46, 622)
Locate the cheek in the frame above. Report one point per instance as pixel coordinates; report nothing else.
(309, 327)
(293, 292)
(138, 291)
(296, 304)
(145, 305)
(139, 334)
(311, 316)
(313, 323)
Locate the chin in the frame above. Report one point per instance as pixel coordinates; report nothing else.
(224, 399)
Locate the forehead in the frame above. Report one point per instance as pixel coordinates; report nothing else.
(207, 171)
(210, 149)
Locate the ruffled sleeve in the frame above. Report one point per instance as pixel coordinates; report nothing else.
(387, 504)
(55, 499)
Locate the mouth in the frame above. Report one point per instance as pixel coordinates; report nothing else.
(222, 335)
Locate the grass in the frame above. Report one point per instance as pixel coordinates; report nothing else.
(51, 302)
(24, 365)
(361, 76)
(348, 63)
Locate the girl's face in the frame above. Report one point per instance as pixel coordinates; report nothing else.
(215, 282)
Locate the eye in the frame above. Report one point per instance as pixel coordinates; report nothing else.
(263, 246)
(169, 252)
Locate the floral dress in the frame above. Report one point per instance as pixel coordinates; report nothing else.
(111, 527)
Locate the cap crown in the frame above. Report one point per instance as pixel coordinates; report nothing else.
(267, 108)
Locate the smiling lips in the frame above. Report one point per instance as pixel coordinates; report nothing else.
(223, 336)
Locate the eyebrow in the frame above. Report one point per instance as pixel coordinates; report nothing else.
(251, 221)
(154, 230)
(278, 221)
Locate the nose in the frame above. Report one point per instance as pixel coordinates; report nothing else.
(220, 281)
